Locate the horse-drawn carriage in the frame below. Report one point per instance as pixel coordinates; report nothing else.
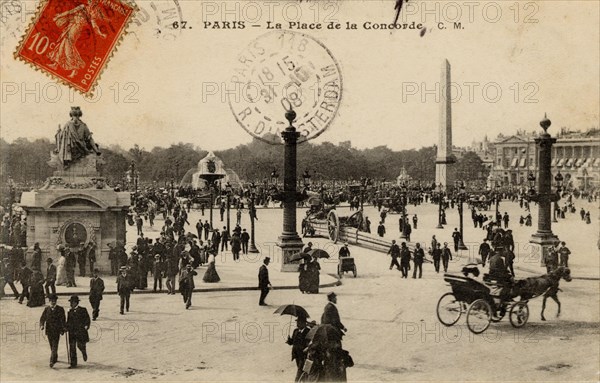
(392, 204)
(488, 301)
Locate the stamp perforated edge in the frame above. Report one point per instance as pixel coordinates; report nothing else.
(90, 92)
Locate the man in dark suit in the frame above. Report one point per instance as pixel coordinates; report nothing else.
(53, 321)
(78, 323)
(206, 227)
(381, 229)
(50, 278)
(484, 250)
(446, 256)
(245, 237)
(299, 342)
(96, 290)
(404, 260)
(418, 259)
(216, 239)
(456, 238)
(331, 315)
(7, 271)
(25, 279)
(394, 251)
(225, 238)
(187, 285)
(263, 281)
(125, 284)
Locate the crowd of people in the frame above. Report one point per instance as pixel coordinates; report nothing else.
(175, 255)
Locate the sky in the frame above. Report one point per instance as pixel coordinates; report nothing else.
(506, 74)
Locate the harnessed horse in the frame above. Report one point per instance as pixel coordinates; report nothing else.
(546, 285)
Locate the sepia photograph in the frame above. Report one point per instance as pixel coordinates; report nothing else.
(299, 190)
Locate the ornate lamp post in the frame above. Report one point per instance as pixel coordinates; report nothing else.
(274, 177)
(11, 196)
(289, 240)
(403, 202)
(364, 182)
(306, 179)
(440, 207)
(544, 195)
(461, 198)
(228, 190)
(252, 212)
(558, 179)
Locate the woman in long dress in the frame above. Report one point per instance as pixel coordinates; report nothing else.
(313, 269)
(211, 275)
(36, 292)
(303, 276)
(61, 271)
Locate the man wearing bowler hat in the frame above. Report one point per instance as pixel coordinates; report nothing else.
(96, 291)
(124, 286)
(78, 323)
(299, 342)
(263, 281)
(53, 321)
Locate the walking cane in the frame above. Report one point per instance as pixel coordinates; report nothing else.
(68, 351)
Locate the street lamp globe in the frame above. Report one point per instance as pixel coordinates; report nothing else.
(558, 178)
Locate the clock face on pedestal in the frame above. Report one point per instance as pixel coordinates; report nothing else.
(75, 235)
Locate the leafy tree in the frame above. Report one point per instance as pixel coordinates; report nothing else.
(471, 168)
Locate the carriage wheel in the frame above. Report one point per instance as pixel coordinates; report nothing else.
(340, 272)
(333, 226)
(354, 271)
(519, 314)
(479, 316)
(449, 309)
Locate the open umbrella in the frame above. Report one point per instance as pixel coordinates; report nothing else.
(297, 256)
(293, 310)
(191, 235)
(318, 253)
(324, 333)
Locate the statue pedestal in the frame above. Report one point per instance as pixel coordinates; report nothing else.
(76, 207)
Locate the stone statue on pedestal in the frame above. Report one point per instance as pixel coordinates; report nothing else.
(74, 141)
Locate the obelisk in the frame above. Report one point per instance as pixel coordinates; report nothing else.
(444, 158)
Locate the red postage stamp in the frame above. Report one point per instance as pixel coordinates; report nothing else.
(73, 40)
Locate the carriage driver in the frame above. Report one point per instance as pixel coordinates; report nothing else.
(499, 273)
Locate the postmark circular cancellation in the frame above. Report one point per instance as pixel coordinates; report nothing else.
(283, 70)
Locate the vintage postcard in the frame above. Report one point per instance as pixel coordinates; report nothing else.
(288, 190)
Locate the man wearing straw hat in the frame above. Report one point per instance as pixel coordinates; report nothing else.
(78, 323)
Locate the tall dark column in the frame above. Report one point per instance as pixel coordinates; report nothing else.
(289, 240)
(544, 196)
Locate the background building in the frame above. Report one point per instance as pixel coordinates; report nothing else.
(575, 154)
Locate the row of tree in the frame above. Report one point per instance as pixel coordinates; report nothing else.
(26, 162)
